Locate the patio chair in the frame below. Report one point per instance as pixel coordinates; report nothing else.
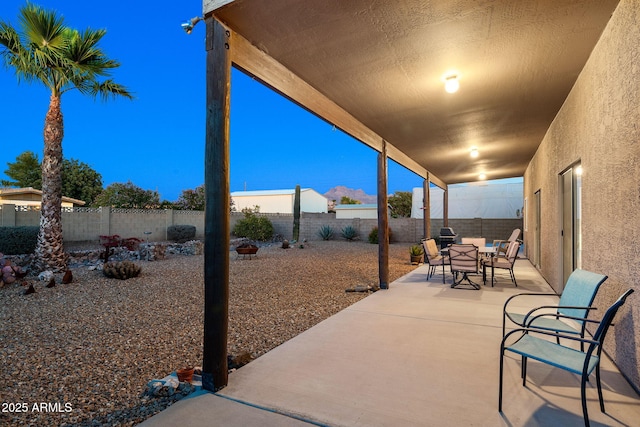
(463, 259)
(502, 245)
(576, 300)
(532, 344)
(433, 257)
(505, 263)
(480, 242)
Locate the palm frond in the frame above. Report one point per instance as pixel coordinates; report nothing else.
(109, 89)
(60, 57)
(83, 50)
(43, 29)
(10, 39)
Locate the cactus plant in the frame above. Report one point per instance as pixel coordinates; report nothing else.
(121, 270)
(296, 214)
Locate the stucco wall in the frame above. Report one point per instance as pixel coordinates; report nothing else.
(599, 125)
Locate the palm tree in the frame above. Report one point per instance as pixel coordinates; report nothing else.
(45, 50)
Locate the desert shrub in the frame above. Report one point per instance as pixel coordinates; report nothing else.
(349, 233)
(18, 240)
(325, 232)
(373, 235)
(253, 226)
(131, 243)
(181, 233)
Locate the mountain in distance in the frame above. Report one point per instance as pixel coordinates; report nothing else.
(337, 192)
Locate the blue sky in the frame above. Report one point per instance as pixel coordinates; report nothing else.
(157, 140)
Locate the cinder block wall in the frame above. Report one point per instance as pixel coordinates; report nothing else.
(87, 224)
(598, 125)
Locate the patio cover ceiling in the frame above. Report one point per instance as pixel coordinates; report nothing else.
(378, 66)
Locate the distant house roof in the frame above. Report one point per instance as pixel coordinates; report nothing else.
(29, 195)
(357, 206)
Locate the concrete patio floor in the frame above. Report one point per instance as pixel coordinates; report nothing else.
(417, 354)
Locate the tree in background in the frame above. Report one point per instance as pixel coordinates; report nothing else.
(129, 195)
(25, 172)
(79, 180)
(194, 200)
(45, 50)
(400, 203)
(191, 199)
(346, 200)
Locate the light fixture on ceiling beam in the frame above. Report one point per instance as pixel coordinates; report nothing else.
(482, 177)
(451, 83)
(473, 152)
(188, 25)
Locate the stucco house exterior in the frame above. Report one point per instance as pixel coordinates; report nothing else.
(31, 197)
(577, 146)
(280, 201)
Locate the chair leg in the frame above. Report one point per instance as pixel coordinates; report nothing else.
(501, 373)
(599, 385)
(524, 371)
(443, 273)
(583, 395)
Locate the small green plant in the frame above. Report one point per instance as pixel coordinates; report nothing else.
(325, 232)
(349, 233)
(373, 235)
(416, 250)
(253, 226)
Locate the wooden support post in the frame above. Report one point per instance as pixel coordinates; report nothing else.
(383, 219)
(216, 228)
(426, 204)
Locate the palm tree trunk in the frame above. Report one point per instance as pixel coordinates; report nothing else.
(49, 252)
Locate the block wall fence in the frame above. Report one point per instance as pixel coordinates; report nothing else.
(87, 224)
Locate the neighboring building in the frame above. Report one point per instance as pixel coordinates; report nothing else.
(356, 211)
(280, 201)
(31, 197)
(473, 200)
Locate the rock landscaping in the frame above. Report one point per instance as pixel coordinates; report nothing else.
(91, 352)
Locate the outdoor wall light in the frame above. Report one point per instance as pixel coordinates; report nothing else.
(451, 83)
(474, 152)
(188, 25)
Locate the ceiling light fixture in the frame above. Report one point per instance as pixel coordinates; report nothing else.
(482, 177)
(188, 25)
(474, 152)
(451, 83)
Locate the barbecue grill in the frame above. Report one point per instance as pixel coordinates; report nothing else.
(447, 237)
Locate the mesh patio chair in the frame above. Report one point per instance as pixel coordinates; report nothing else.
(505, 263)
(463, 260)
(532, 344)
(576, 300)
(502, 245)
(433, 257)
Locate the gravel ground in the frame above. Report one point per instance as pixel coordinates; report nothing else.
(86, 350)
